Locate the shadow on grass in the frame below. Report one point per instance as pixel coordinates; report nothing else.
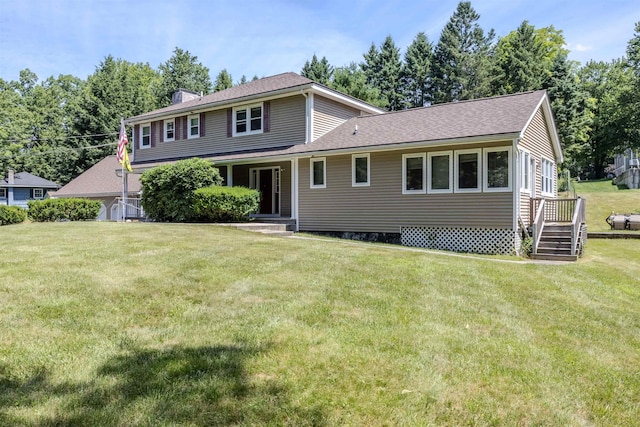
(194, 386)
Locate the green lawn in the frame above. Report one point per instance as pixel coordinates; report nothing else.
(117, 324)
(603, 198)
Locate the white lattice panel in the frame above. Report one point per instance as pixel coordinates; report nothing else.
(470, 239)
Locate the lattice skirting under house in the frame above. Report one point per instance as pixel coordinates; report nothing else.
(468, 239)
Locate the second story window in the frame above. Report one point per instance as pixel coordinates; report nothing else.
(247, 120)
(194, 126)
(169, 130)
(145, 136)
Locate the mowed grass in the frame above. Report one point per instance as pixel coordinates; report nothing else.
(603, 198)
(117, 324)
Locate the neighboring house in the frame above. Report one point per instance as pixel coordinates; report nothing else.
(103, 182)
(627, 168)
(458, 176)
(18, 188)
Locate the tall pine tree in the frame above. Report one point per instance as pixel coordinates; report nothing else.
(223, 81)
(416, 72)
(318, 71)
(182, 71)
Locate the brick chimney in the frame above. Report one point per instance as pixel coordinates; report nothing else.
(10, 179)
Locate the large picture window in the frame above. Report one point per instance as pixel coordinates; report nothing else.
(414, 174)
(468, 170)
(247, 120)
(360, 170)
(440, 172)
(497, 176)
(318, 173)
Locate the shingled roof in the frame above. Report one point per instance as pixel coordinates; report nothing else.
(27, 180)
(99, 180)
(488, 117)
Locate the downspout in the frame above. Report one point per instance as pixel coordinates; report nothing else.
(516, 186)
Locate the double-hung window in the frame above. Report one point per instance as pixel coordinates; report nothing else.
(440, 176)
(318, 173)
(247, 120)
(467, 171)
(169, 130)
(38, 193)
(145, 135)
(3, 193)
(548, 175)
(360, 170)
(497, 171)
(414, 173)
(194, 126)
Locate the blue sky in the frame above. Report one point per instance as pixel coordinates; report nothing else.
(264, 38)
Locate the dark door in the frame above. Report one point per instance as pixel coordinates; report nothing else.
(266, 191)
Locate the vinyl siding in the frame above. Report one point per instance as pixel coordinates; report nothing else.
(537, 141)
(381, 207)
(328, 114)
(287, 127)
(241, 178)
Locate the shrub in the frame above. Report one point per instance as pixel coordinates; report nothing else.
(167, 191)
(526, 247)
(63, 209)
(225, 204)
(12, 215)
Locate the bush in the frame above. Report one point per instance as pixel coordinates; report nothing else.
(63, 209)
(225, 204)
(167, 191)
(12, 215)
(526, 247)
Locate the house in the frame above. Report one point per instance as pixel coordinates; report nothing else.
(627, 168)
(18, 188)
(101, 182)
(462, 176)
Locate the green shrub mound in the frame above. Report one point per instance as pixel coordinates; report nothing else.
(12, 215)
(63, 209)
(167, 191)
(225, 204)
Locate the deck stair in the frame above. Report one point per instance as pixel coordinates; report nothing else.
(555, 243)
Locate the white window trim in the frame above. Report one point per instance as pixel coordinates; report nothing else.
(324, 170)
(423, 156)
(353, 170)
(166, 122)
(429, 178)
(485, 174)
(3, 193)
(552, 178)
(142, 126)
(197, 135)
(525, 162)
(478, 189)
(248, 108)
(41, 196)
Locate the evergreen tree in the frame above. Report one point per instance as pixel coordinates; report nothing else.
(318, 71)
(462, 67)
(243, 80)
(631, 99)
(416, 72)
(182, 71)
(223, 81)
(383, 70)
(352, 81)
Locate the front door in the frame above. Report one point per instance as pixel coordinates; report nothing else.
(267, 181)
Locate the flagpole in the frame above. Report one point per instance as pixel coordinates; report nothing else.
(122, 202)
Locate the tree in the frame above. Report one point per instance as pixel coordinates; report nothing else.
(462, 67)
(632, 98)
(383, 71)
(416, 72)
(182, 71)
(318, 71)
(223, 81)
(607, 84)
(353, 81)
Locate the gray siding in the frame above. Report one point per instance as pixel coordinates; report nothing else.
(287, 127)
(328, 114)
(382, 207)
(537, 141)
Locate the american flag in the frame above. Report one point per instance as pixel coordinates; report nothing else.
(122, 143)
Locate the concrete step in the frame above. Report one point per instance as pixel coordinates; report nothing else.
(279, 233)
(259, 226)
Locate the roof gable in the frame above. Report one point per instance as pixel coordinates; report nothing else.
(99, 180)
(25, 179)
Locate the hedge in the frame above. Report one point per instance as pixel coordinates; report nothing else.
(225, 204)
(12, 215)
(167, 191)
(63, 209)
